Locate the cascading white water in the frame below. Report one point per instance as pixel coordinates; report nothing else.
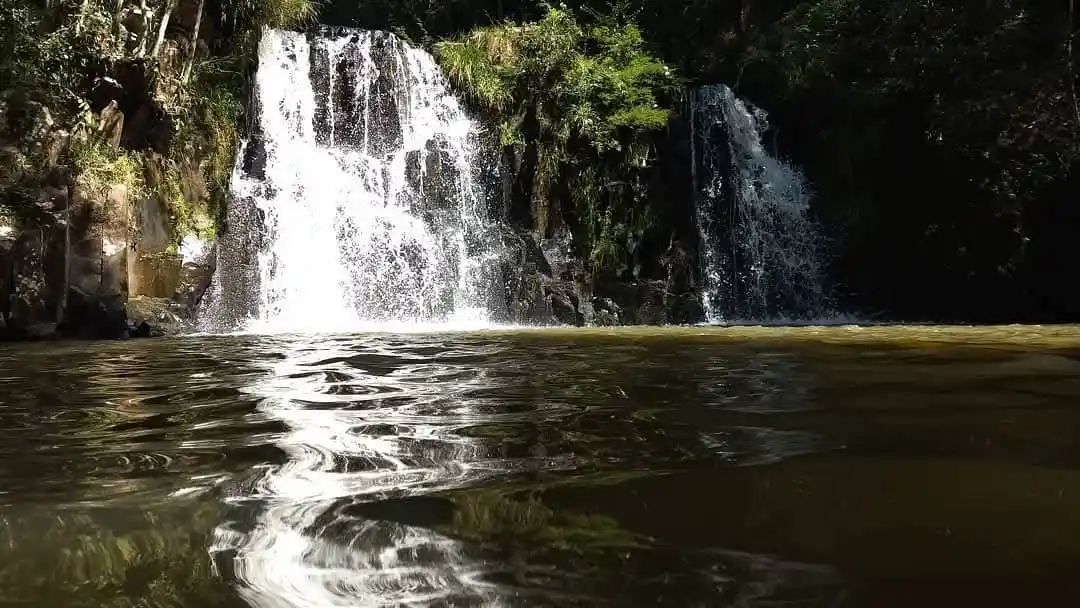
(761, 252)
(356, 203)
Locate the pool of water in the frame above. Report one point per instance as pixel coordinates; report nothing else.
(746, 466)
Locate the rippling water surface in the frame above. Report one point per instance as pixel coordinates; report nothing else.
(913, 466)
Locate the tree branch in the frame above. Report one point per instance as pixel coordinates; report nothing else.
(162, 27)
(194, 41)
(1069, 62)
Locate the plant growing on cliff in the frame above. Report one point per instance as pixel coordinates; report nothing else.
(73, 56)
(583, 100)
(100, 167)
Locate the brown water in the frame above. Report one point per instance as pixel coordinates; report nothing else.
(911, 466)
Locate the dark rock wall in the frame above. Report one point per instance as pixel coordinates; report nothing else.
(73, 255)
(548, 282)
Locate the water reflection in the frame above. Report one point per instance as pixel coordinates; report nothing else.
(378, 419)
(364, 422)
(684, 468)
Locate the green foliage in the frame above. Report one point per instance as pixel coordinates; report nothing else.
(283, 13)
(190, 215)
(483, 66)
(590, 82)
(220, 113)
(581, 96)
(60, 53)
(46, 57)
(100, 167)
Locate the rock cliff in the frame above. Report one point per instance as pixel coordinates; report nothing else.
(77, 246)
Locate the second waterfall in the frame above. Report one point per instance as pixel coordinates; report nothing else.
(357, 200)
(762, 253)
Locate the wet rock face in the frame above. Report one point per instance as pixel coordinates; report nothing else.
(547, 285)
(64, 278)
(527, 272)
(7, 243)
(72, 252)
(152, 271)
(433, 178)
(194, 280)
(37, 280)
(350, 110)
(69, 275)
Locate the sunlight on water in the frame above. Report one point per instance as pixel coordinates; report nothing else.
(357, 435)
(727, 466)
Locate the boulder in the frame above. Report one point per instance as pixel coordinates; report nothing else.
(525, 300)
(156, 317)
(606, 312)
(111, 124)
(94, 316)
(684, 309)
(564, 301)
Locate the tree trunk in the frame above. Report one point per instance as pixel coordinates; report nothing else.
(85, 6)
(1069, 62)
(162, 27)
(144, 13)
(118, 28)
(745, 15)
(194, 41)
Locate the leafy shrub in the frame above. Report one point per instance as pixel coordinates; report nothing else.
(587, 98)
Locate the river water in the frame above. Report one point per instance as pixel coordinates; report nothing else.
(877, 466)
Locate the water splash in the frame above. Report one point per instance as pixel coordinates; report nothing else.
(357, 201)
(761, 251)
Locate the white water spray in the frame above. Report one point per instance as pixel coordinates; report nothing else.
(761, 252)
(356, 204)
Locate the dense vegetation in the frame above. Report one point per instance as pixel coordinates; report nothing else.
(943, 139)
(577, 105)
(178, 71)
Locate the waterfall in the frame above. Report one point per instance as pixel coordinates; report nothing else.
(761, 252)
(357, 199)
